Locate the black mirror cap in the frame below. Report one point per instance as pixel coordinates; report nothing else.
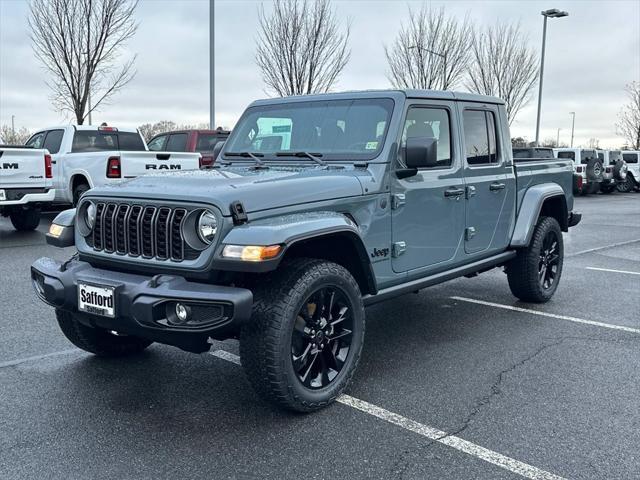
(421, 152)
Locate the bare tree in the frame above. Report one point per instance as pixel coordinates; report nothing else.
(301, 48)
(594, 143)
(431, 52)
(79, 43)
(10, 136)
(504, 65)
(628, 125)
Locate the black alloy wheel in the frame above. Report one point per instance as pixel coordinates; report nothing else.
(549, 260)
(321, 339)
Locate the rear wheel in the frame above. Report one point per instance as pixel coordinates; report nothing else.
(303, 342)
(627, 185)
(25, 219)
(535, 273)
(98, 341)
(78, 191)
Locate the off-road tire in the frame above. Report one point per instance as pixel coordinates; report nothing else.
(98, 341)
(265, 341)
(78, 191)
(24, 220)
(595, 170)
(523, 271)
(628, 185)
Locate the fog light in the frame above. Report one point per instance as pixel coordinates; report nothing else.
(182, 312)
(56, 230)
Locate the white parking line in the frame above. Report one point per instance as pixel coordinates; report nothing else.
(605, 247)
(550, 315)
(495, 458)
(612, 270)
(11, 363)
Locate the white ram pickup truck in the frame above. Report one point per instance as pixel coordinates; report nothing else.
(85, 156)
(26, 184)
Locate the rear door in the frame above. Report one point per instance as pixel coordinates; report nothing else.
(53, 142)
(157, 144)
(177, 142)
(428, 208)
(489, 180)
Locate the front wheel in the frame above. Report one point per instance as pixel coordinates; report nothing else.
(535, 272)
(302, 344)
(96, 340)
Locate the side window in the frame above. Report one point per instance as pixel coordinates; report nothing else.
(157, 144)
(480, 137)
(37, 140)
(53, 141)
(432, 123)
(630, 157)
(177, 143)
(569, 155)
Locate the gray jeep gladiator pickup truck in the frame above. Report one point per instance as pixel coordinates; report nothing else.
(317, 207)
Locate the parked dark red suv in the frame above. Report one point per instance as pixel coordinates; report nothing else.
(203, 141)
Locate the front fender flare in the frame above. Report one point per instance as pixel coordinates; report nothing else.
(530, 209)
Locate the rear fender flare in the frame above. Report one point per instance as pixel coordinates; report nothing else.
(530, 210)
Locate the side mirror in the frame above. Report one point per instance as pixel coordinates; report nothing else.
(217, 148)
(421, 152)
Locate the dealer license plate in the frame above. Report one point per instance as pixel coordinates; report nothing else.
(96, 300)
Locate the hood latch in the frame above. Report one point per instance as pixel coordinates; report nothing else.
(238, 213)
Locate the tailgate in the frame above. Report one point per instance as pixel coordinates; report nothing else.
(134, 164)
(22, 168)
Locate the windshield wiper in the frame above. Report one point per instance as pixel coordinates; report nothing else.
(253, 156)
(312, 156)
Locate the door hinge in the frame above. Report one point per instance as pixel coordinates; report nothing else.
(397, 200)
(398, 248)
(238, 213)
(469, 233)
(471, 191)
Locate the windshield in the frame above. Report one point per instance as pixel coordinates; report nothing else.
(333, 129)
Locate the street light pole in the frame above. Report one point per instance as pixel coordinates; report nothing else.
(558, 138)
(212, 64)
(552, 13)
(573, 124)
(13, 125)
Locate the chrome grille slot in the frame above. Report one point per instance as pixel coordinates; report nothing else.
(137, 230)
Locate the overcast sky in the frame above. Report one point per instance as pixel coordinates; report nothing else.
(591, 55)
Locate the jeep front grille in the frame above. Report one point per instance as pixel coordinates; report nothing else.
(141, 231)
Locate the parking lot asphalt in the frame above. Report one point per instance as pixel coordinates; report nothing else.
(458, 381)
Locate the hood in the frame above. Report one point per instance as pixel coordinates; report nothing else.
(257, 189)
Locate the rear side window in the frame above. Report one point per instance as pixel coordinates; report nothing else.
(177, 143)
(53, 141)
(206, 141)
(95, 141)
(569, 155)
(37, 140)
(630, 157)
(588, 155)
(601, 156)
(430, 123)
(480, 137)
(518, 153)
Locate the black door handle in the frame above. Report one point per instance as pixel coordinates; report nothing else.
(494, 187)
(454, 192)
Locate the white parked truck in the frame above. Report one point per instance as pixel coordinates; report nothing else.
(85, 156)
(587, 167)
(632, 159)
(26, 184)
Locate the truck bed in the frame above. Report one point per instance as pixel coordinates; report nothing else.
(536, 171)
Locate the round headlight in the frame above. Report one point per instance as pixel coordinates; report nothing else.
(207, 226)
(90, 215)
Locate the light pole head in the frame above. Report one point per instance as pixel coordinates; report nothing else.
(554, 13)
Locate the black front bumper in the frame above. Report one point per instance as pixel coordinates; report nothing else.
(142, 302)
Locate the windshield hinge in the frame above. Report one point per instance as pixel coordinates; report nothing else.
(238, 213)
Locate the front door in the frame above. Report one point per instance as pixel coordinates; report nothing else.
(489, 180)
(428, 208)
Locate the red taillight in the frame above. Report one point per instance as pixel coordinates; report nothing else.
(113, 167)
(579, 182)
(48, 168)
(206, 161)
